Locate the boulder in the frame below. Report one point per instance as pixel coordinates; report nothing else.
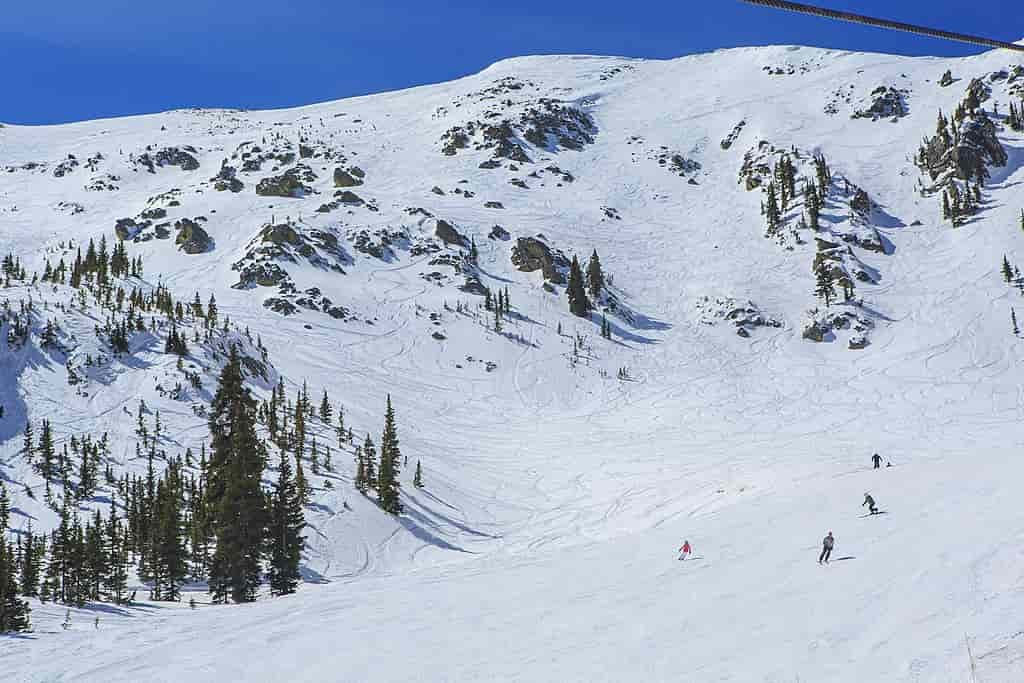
(287, 185)
(281, 234)
(126, 229)
(191, 238)
(343, 178)
(447, 233)
(530, 254)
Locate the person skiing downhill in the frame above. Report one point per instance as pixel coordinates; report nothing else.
(877, 460)
(685, 551)
(870, 502)
(826, 548)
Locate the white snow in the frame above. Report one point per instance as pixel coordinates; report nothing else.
(543, 546)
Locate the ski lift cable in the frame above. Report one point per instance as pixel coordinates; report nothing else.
(885, 23)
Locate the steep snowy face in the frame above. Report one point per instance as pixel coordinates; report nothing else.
(603, 295)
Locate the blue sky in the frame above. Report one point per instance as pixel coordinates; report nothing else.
(69, 60)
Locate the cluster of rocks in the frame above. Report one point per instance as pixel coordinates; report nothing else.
(65, 167)
(676, 163)
(744, 316)
(182, 157)
(885, 102)
(379, 243)
(292, 183)
(530, 254)
(346, 198)
(287, 242)
(226, 179)
(547, 124)
(731, 138)
(252, 156)
(103, 183)
(825, 326)
(291, 243)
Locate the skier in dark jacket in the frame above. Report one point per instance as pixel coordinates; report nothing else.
(877, 460)
(826, 548)
(870, 502)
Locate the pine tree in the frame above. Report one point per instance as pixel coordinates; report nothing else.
(1007, 269)
(5, 510)
(595, 276)
(417, 479)
(326, 411)
(370, 462)
(1013, 319)
(236, 467)
(579, 305)
(285, 541)
(14, 612)
(825, 285)
(772, 215)
(389, 487)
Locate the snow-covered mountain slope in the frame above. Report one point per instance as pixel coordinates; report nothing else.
(561, 467)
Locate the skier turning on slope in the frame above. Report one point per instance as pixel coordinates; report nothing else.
(826, 548)
(870, 502)
(685, 551)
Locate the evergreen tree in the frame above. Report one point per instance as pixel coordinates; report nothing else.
(236, 468)
(417, 479)
(579, 305)
(389, 487)
(370, 462)
(772, 215)
(825, 285)
(285, 541)
(14, 612)
(1007, 270)
(595, 276)
(326, 411)
(5, 510)
(1013, 319)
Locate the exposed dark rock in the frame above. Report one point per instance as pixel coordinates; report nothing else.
(126, 229)
(349, 197)
(226, 180)
(530, 254)
(343, 178)
(449, 235)
(498, 233)
(494, 205)
(154, 214)
(65, 167)
(191, 238)
(886, 102)
(282, 306)
(290, 184)
(264, 274)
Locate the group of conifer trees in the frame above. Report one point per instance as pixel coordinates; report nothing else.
(14, 610)
(580, 286)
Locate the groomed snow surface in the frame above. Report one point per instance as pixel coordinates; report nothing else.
(543, 547)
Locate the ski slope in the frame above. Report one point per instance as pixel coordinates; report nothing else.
(542, 547)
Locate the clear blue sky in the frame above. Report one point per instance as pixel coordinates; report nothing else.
(68, 60)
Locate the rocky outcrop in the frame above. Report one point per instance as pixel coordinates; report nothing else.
(447, 233)
(192, 239)
(885, 102)
(126, 229)
(290, 184)
(226, 180)
(530, 254)
(345, 178)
